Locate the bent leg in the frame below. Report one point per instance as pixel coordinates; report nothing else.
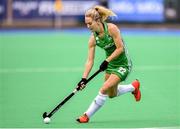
(106, 90)
(97, 103)
(110, 86)
(122, 89)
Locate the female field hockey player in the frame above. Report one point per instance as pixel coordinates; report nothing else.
(117, 65)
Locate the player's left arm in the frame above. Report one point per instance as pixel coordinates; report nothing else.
(115, 34)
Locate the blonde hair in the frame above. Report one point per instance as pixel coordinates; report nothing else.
(99, 13)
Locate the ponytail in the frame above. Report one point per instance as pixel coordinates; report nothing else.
(99, 13)
(104, 12)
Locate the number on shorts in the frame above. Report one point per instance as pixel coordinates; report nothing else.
(122, 70)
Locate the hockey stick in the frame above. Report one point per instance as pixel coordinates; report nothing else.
(45, 114)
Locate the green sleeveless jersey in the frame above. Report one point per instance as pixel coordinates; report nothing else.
(107, 43)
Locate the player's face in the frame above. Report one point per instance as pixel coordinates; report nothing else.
(91, 24)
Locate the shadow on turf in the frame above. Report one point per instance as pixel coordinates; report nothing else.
(134, 123)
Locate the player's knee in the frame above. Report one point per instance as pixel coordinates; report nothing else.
(104, 90)
(110, 90)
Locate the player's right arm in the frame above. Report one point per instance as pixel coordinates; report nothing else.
(90, 57)
(89, 62)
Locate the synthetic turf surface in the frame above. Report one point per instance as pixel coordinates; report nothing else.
(37, 70)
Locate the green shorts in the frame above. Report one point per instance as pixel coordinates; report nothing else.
(120, 71)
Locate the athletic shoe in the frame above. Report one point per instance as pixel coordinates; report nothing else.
(136, 92)
(83, 119)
